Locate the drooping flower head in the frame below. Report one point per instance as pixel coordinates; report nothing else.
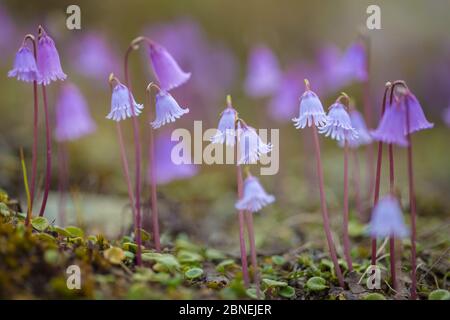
(167, 70)
(120, 102)
(251, 146)
(354, 61)
(25, 68)
(338, 124)
(263, 74)
(311, 110)
(166, 170)
(391, 129)
(357, 121)
(167, 109)
(73, 119)
(417, 120)
(387, 219)
(48, 62)
(227, 126)
(254, 197)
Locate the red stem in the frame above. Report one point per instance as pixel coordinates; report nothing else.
(356, 178)
(345, 220)
(63, 181)
(392, 262)
(48, 171)
(251, 237)
(154, 198)
(243, 249)
(412, 204)
(126, 172)
(326, 220)
(137, 144)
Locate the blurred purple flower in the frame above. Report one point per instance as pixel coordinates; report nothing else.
(120, 104)
(391, 128)
(446, 116)
(311, 110)
(93, 57)
(167, 70)
(226, 128)
(354, 62)
(387, 219)
(7, 31)
(357, 121)
(251, 146)
(165, 169)
(255, 197)
(338, 124)
(25, 68)
(263, 73)
(73, 119)
(417, 120)
(167, 109)
(48, 62)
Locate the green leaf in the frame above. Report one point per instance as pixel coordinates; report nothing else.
(74, 232)
(440, 294)
(374, 296)
(167, 260)
(193, 273)
(274, 283)
(129, 246)
(225, 264)
(4, 210)
(129, 255)
(316, 284)
(185, 256)
(40, 223)
(145, 235)
(61, 231)
(46, 237)
(213, 254)
(251, 292)
(287, 292)
(278, 260)
(115, 255)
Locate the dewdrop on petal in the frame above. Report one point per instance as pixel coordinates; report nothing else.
(311, 110)
(254, 197)
(387, 219)
(167, 109)
(227, 126)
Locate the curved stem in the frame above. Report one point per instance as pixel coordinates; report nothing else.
(126, 173)
(412, 204)
(326, 220)
(48, 141)
(151, 160)
(137, 144)
(345, 220)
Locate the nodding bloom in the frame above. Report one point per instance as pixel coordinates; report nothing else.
(25, 68)
(167, 70)
(417, 120)
(251, 146)
(338, 125)
(254, 197)
(446, 116)
(48, 60)
(387, 219)
(354, 61)
(73, 119)
(120, 104)
(226, 128)
(357, 121)
(311, 110)
(391, 128)
(263, 75)
(167, 109)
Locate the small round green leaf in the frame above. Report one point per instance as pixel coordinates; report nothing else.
(40, 223)
(274, 283)
(316, 284)
(374, 296)
(251, 292)
(75, 232)
(193, 273)
(440, 294)
(115, 255)
(278, 260)
(287, 292)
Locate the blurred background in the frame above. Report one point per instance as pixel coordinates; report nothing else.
(214, 40)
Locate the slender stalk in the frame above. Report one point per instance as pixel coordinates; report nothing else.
(243, 249)
(48, 141)
(356, 185)
(251, 237)
(345, 220)
(137, 145)
(412, 204)
(126, 172)
(27, 190)
(326, 220)
(63, 181)
(392, 238)
(151, 160)
(378, 174)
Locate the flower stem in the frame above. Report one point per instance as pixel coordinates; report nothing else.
(345, 220)
(326, 220)
(48, 170)
(126, 172)
(251, 237)
(243, 249)
(27, 190)
(137, 145)
(63, 181)
(151, 160)
(392, 262)
(412, 204)
(356, 178)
